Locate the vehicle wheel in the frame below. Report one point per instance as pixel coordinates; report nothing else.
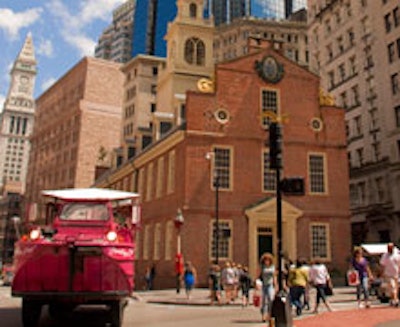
(116, 313)
(31, 311)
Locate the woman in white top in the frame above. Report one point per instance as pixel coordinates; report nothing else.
(319, 277)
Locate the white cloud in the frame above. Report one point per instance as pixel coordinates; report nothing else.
(74, 24)
(11, 22)
(97, 9)
(83, 44)
(45, 48)
(47, 83)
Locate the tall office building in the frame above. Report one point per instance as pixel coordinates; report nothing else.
(150, 26)
(115, 43)
(355, 47)
(16, 121)
(226, 11)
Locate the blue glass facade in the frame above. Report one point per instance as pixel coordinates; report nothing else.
(224, 11)
(150, 26)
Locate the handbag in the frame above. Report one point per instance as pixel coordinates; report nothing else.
(328, 288)
(353, 278)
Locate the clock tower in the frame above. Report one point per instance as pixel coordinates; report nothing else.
(16, 121)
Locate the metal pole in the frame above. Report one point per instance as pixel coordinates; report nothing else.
(279, 226)
(217, 218)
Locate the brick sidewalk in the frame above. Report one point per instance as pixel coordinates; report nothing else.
(373, 317)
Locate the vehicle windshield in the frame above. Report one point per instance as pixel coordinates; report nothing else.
(84, 211)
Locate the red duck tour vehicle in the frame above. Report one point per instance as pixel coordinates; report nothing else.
(83, 255)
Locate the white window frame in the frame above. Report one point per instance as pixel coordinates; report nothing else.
(229, 240)
(325, 173)
(230, 168)
(326, 226)
(267, 171)
(157, 242)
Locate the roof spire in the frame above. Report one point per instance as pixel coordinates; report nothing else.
(27, 52)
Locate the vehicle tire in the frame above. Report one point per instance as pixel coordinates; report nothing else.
(116, 313)
(31, 311)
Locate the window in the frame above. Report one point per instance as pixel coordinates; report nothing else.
(397, 115)
(195, 52)
(316, 171)
(360, 156)
(320, 242)
(350, 34)
(343, 99)
(380, 192)
(157, 242)
(361, 193)
(342, 72)
(269, 104)
(153, 89)
(149, 183)
(373, 117)
(387, 23)
(160, 177)
(169, 233)
(146, 242)
(155, 71)
(395, 84)
(340, 44)
(224, 239)
(269, 175)
(358, 125)
(222, 167)
(391, 52)
(376, 148)
(331, 77)
(396, 16)
(356, 95)
(192, 10)
(352, 64)
(171, 173)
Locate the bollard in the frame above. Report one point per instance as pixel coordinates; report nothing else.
(282, 311)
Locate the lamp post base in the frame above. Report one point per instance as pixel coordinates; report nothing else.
(281, 310)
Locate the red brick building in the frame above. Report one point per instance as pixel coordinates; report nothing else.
(227, 126)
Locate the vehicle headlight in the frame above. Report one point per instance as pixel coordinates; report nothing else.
(34, 234)
(111, 236)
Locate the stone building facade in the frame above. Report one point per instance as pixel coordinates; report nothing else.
(355, 47)
(224, 134)
(16, 121)
(77, 125)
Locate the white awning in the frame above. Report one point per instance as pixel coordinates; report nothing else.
(376, 248)
(90, 194)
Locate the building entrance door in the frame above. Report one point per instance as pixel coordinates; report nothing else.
(265, 241)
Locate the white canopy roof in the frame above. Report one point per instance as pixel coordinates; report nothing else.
(90, 194)
(376, 248)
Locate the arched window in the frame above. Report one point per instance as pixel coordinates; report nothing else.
(192, 10)
(195, 51)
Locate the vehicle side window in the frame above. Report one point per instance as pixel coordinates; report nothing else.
(84, 211)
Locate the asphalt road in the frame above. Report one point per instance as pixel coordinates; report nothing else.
(138, 313)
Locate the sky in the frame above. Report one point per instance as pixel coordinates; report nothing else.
(63, 32)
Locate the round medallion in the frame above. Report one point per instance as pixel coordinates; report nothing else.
(269, 69)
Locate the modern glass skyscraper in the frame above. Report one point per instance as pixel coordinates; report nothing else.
(224, 11)
(150, 26)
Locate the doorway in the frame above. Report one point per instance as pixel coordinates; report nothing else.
(264, 241)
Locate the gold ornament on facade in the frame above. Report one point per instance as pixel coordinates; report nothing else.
(326, 99)
(205, 85)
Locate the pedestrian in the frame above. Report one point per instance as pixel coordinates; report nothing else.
(228, 282)
(179, 269)
(297, 282)
(189, 277)
(306, 298)
(245, 284)
(149, 276)
(320, 278)
(361, 266)
(390, 263)
(269, 285)
(215, 284)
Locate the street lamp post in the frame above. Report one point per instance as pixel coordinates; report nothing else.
(178, 221)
